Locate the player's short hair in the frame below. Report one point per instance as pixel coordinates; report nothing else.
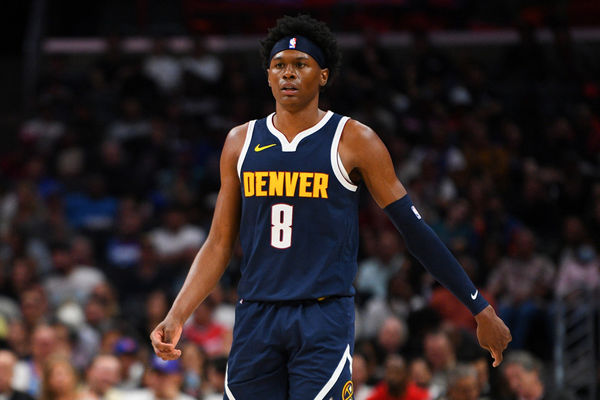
(304, 25)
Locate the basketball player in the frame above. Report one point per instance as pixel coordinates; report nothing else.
(289, 187)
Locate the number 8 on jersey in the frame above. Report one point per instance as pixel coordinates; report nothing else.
(281, 225)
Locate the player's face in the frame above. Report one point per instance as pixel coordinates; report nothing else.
(295, 78)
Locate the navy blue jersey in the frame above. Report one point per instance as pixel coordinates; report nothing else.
(299, 224)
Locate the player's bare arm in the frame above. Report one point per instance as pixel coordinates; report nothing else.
(212, 259)
(366, 158)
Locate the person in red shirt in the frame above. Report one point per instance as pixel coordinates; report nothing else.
(396, 384)
(214, 338)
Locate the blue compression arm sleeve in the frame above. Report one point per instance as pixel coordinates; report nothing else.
(427, 247)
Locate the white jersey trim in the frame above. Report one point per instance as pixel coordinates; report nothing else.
(245, 148)
(291, 146)
(227, 390)
(336, 374)
(336, 162)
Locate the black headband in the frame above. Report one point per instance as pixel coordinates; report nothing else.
(302, 44)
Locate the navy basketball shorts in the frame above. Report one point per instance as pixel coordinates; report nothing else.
(292, 352)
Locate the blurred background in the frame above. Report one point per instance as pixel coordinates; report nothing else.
(113, 116)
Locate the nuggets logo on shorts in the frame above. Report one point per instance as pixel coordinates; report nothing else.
(347, 391)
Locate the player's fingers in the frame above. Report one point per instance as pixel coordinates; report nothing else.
(163, 347)
(171, 355)
(159, 343)
(497, 354)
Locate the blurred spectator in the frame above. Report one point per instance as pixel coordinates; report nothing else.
(371, 67)
(162, 68)
(112, 61)
(224, 312)
(441, 356)
(524, 376)
(23, 275)
(56, 227)
(521, 282)
(82, 252)
(7, 365)
(216, 379)
(399, 302)
(29, 373)
(202, 64)
(391, 337)
(163, 381)
(176, 241)
(42, 131)
(95, 210)
(102, 376)
(23, 210)
(193, 361)
(462, 383)
(18, 338)
(482, 155)
(456, 229)
(573, 235)
(482, 369)
(132, 369)
(113, 163)
(132, 125)
(420, 373)
(374, 273)
(396, 384)
(579, 272)
(533, 204)
(71, 281)
(360, 375)
(579, 266)
(148, 276)
(212, 337)
(59, 380)
(202, 74)
(34, 307)
(83, 340)
(123, 250)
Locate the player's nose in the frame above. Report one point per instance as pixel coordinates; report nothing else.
(289, 72)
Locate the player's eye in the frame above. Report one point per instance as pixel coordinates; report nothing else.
(300, 65)
(279, 65)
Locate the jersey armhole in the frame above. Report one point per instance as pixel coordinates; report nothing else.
(245, 148)
(336, 162)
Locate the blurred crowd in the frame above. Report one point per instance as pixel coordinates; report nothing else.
(109, 190)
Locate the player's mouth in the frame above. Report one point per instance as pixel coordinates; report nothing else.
(289, 89)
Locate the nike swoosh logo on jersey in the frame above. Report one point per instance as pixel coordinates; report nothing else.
(258, 148)
(474, 295)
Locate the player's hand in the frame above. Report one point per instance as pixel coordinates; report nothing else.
(492, 333)
(165, 337)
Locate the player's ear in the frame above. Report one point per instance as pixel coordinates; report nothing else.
(324, 77)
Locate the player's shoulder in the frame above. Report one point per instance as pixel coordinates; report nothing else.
(234, 142)
(355, 132)
(238, 132)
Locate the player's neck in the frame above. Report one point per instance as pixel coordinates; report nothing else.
(291, 122)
